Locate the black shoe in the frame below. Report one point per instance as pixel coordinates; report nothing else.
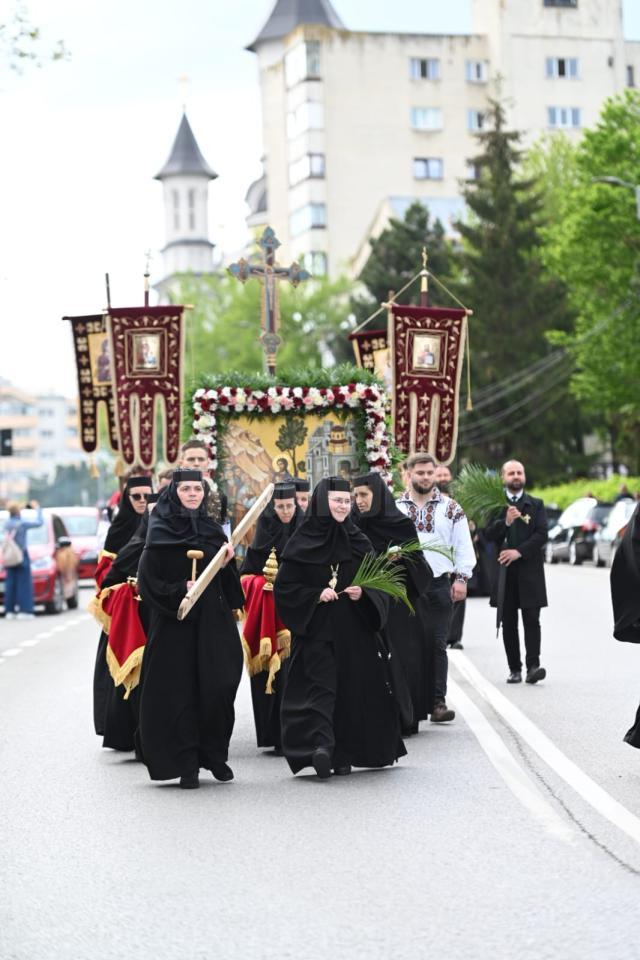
(458, 645)
(515, 677)
(321, 763)
(535, 673)
(442, 713)
(190, 782)
(222, 772)
(342, 771)
(278, 752)
(412, 729)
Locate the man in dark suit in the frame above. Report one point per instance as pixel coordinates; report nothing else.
(521, 533)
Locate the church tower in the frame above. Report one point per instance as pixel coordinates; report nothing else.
(185, 180)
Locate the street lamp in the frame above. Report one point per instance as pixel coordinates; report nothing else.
(617, 182)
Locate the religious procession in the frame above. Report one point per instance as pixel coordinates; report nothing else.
(320, 481)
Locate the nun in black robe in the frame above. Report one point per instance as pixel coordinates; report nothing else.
(625, 597)
(407, 635)
(192, 667)
(272, 533)
(123, 528)
(338, 708)
(121, 715)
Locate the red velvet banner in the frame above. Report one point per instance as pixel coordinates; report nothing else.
(427, 349)
(93, 366)
(371, 349)
(147, 350)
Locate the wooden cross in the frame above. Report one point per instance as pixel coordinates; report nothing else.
(269, 272)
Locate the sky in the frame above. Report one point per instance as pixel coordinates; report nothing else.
(83, 139)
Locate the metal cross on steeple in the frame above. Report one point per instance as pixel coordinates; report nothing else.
(269, 272)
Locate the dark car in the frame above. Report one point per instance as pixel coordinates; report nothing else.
(607, 539)
(54, 565)
(572, 537)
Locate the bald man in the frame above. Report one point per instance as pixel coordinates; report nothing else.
(520, 535)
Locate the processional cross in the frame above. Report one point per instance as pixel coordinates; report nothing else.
(269, 272)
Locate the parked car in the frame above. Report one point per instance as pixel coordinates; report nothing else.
(607, 539)
(82, 527)
(572, 537)
(54, 565)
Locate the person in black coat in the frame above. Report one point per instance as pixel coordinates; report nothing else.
(520, 535)
(625, 598)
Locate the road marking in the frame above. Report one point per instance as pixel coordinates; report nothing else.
(29, 643)
(588, 789)
(58, 629)
(513, 774)
(12, 652)
(43, 636)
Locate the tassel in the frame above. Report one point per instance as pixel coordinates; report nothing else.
(118, 470)
(94, 473)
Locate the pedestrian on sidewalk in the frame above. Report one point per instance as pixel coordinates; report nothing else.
(18, 588)
(519, 585)
(439, 518)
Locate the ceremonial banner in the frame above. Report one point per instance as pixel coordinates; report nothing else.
(265, 639)
(427, 349)
(93, 364)
(371, 349)
(147, 350)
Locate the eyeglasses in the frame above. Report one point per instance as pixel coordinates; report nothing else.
(139, 496)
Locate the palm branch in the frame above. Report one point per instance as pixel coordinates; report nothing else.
(479, 493)
(415, 546)
(379, 572)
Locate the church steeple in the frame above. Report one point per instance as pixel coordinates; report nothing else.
(185, 180)
(289, 14)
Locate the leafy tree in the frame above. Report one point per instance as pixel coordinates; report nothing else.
(396, 257)
(593, 245)
(523, 406)
(73, 486)
(20, 41)
(292, 434)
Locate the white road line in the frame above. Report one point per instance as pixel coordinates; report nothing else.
(58, 629)
(13, 652)
(43, 636)
(29, 643)
(588, 789)
(512, 772)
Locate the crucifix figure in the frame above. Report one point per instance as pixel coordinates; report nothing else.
(269, 272)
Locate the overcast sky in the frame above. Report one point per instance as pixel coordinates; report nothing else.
(82, 141)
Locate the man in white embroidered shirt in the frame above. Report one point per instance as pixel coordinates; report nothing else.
(440, 519)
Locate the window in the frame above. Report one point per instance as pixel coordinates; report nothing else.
(475, 120)
(426, 118)
(302, 63)
(316, 263)
(427, 168)
(476, 71)
(310, 165)
(191, 199)
(563, 118)
(559, 67)
(424, 69)
(560, 3)
(310, 217)
(472, 171)
(307, 116)
(631, 76)
(175, 196)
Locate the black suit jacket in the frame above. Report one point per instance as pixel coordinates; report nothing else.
(529, 570)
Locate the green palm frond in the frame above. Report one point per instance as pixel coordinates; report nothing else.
(414, 546)
(379, 572)
(479, 493)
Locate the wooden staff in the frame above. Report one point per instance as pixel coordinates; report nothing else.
(194, 556)
(214, 565)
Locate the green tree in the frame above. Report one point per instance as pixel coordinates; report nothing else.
(593, 245)
(396, 257)
(223, 329)
(20, 41)
(522, 402)
(292, 434)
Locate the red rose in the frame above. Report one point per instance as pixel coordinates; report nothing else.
(223, 401)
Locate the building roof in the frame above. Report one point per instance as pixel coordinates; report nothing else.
(185, 156)
(289, 14)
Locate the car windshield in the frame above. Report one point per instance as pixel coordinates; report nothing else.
(601, 512)
(81, 525)
(37, 536)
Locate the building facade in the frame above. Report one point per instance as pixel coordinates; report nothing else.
(357, 125)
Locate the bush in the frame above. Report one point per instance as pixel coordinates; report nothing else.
(563, 494)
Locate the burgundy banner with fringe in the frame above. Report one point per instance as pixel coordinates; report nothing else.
(93, 365)
(427, 349)
(147, 350)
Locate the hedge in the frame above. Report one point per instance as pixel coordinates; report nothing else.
(607, 490)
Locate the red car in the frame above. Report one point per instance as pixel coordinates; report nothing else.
(82, 527)
(54, 565)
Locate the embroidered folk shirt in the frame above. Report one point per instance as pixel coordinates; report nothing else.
(442, 520)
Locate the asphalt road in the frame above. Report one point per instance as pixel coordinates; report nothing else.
(513, 832)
